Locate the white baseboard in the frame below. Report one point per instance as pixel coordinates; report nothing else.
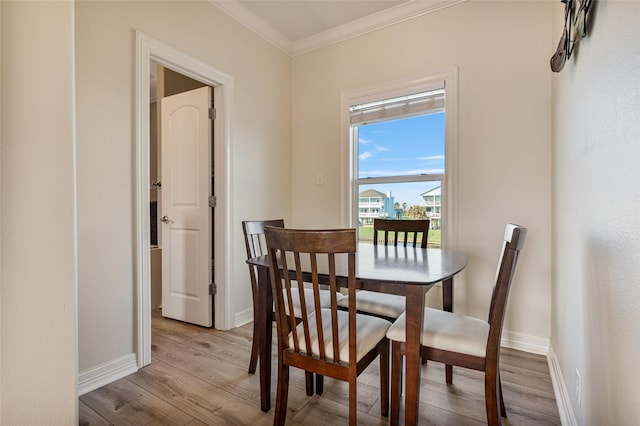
(567, 418)
(106, 373)
(243, 317)
(525, 342)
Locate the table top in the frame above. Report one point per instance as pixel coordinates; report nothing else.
(399, 265)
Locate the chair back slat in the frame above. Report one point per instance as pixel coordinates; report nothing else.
(280, 300)
(303, 300)
(352, 307)
(402, 230)
(318, 312)
(290, 253)
(334, 310)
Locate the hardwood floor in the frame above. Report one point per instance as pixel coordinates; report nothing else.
(198, 376)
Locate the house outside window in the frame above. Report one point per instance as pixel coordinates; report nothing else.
(433, 206)
(374, 204)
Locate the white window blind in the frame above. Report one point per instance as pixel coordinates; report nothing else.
(429, 102)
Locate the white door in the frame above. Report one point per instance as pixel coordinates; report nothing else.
(185, 227)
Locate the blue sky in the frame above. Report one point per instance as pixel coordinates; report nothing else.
(409, 146)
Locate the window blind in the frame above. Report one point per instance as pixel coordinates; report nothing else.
(429, 102)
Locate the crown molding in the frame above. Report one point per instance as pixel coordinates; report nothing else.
(394, 15)
(402, 12)
(250, 20)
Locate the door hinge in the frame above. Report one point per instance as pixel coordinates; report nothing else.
(212, 113)
(212, 201)
(213, 288)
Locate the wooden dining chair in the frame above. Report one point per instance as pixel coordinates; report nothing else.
(464, 341)
(408, 233)
(328, 341)
(256, 246)
(396, 231)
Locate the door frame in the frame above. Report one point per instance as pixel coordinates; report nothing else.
(149, 49)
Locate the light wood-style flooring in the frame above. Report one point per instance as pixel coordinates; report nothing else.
(198, 376)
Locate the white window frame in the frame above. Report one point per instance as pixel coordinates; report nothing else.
(349, 196)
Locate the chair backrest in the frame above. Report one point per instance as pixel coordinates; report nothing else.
(254, 235)
(312, 256)
(255, 243)
(409, 230)
(514, 238)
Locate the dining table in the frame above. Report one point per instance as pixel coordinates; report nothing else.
(407, 271)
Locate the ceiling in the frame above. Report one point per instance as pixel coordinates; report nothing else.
(300, 26)
(303, 18)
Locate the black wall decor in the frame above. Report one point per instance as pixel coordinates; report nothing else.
(575, 28)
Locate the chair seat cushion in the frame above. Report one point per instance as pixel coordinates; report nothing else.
(447, 331)
(386, 305)
(325, 300)
(369, 331)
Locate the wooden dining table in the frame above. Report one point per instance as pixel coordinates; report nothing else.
(406, 271)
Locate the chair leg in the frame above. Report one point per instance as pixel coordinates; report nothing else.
(253, 362)
(448, 370)
(353, 401)
(282, 394)
(384, 379)
(319, 384)
(491, 398)
(503, 410)
(308, 380)
(396, 377)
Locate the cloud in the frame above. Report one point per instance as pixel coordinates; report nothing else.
(365, 155)
(432, 157)
(364, 141)
(390, 172)
(368, 154)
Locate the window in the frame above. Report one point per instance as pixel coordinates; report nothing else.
(401, 155)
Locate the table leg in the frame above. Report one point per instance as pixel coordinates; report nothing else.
(447, 295)
(265, 318)
(447, 305)
(415, 317)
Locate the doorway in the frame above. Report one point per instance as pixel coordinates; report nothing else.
(181, 197)
(151, 50)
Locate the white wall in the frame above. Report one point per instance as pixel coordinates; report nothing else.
(502, 51)
(596, 169)
(260, 139)
(38, 314)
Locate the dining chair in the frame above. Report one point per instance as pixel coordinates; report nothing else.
(256, 246)
(464, 341)
(391, 232)
(327, 341)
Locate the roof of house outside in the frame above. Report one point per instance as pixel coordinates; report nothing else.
(435, 191)
(372, 193)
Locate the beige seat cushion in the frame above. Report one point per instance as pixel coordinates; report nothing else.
(369, 331)
(448, 331)
(325, 300)
(386, 305)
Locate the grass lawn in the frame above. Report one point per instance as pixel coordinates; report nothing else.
(365, 233)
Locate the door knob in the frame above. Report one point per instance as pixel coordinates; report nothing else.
(166, 220)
